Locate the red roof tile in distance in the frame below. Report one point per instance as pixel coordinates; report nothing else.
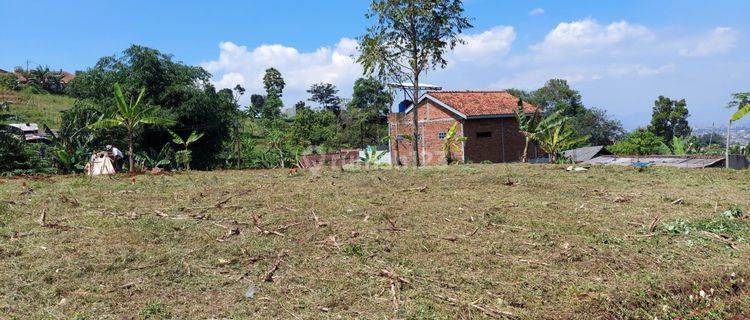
(481, 103)
(67, 77)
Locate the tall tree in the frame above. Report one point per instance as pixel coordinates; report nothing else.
(408, 38)
(368, 110)
(370, 95)
(299, 106)
(669, 119)
(182, 92)
(325, 94)
(557, 95)
(273, 82)
(256, 105)
(130, 116)
(739, 99)
(272, 108)
(597, 124)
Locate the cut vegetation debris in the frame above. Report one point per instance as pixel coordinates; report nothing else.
(607, 243)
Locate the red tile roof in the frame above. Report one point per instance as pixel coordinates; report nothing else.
(67, 77)
(481, 103)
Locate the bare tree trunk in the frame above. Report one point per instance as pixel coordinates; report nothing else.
(415, 119)
(524, 156)
(131, 168)
(395, 139)
(726, 152)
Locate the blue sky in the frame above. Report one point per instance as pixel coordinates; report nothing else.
(620, 54)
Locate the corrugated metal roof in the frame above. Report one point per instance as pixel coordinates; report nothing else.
(664, 161)
(584, 154)
(25, 127)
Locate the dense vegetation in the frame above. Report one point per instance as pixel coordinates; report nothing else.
(264, 134)
(259, 136)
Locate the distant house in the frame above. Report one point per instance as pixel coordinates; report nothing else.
(486, 118)
(67, 77)
(29, 131)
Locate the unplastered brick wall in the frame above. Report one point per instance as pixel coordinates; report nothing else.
(433, 120)
(495, 140)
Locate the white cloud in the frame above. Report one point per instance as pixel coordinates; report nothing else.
(637, 69)
(588, 36)
(719, 40)
(536, 11)
(238, 65)
(621, 66)
(485, 47)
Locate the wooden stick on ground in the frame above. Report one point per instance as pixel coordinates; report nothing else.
(268, 277)
(260, 229)
(486, 310)
(43, 217)
(420, 189)
(318, 222)
(654, 223)
(393, 226)
(227, 199)
(394, 283)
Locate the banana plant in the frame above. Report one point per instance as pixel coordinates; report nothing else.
(186, 155)
(557, 138)
(532, 126)
(162, 159)
(276, 141)
(130, 116)
(372, 156)
(452, 143)
(742, 112)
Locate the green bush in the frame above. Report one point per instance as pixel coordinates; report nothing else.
(9, 81)
(640, 142)
(20, 157)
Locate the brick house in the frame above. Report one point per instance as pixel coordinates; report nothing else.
(486, 118)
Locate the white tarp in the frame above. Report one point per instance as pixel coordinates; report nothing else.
(100, 164)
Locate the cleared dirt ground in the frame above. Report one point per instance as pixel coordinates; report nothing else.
(474, 241)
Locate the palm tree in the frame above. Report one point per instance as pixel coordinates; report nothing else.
(743, 111)
(130, 116)
(185, 155)
(452, 143)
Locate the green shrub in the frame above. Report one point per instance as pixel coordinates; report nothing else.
(678, 226)
(640, 142)
(154, 310)
(9, 81)
(20, 157)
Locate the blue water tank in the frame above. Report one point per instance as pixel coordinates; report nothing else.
(403, 105)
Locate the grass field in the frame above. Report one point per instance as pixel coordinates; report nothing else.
(37, 108)
(474, 241)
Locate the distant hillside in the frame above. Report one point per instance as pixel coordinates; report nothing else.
(38, 108)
